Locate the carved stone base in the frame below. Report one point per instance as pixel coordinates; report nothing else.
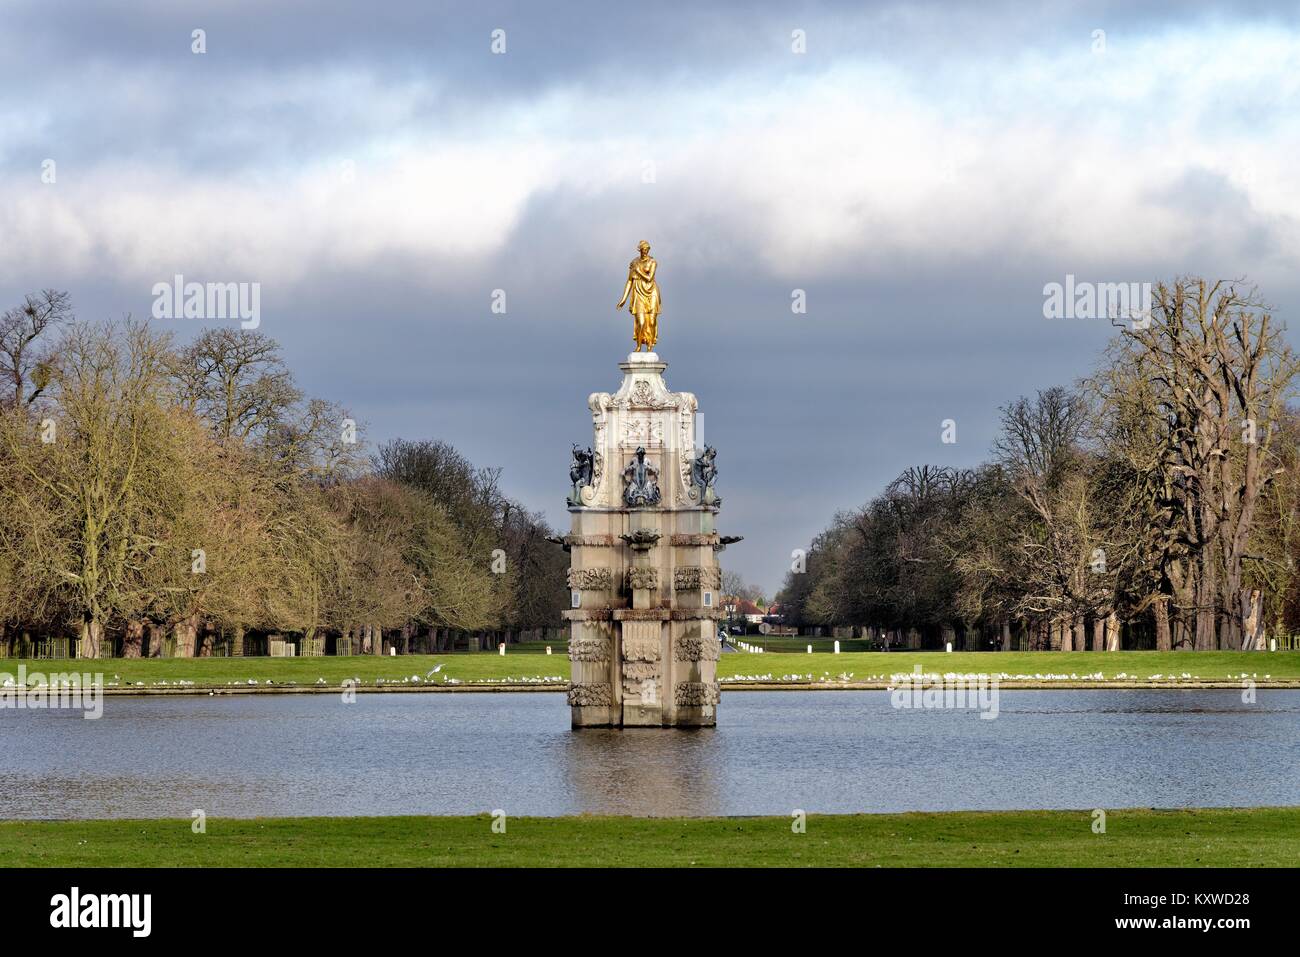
(645, 583)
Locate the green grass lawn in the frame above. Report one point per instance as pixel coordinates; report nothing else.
(1110, 666)
(1261, 837)
(526, 667)
(533, 666)
(801, 644)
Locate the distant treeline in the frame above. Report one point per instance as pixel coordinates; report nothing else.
(184, 497)
(1153, 504)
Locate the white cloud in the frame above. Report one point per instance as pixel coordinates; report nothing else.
(857, 170)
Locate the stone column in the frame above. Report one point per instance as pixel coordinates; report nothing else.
(644, 579)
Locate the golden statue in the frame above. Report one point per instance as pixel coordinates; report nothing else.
(643, 289)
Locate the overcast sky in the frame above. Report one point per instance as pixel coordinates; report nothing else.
(921, 171)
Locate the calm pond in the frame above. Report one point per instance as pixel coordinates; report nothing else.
(827, 751)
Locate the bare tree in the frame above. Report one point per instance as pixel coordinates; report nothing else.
(235, 380)
(26, 345)
(1201, 386)
(104, 459)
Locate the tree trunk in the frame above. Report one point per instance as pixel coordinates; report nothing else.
(1098, 634)
(1207, 617)
(153, 639)
(1006, 636)
(203, 640)
(1064, 636)
(1112, 632)
(1253, 632)
(133, 641)
(237, 642)
(92, 639)
(185, 632)
(377, 639)
(1164, 640)
(1080, 642)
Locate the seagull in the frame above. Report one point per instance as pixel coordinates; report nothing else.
(430, 674)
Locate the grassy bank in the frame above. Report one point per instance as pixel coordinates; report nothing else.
(1012, 666)
(531, 668)
(1261, 837)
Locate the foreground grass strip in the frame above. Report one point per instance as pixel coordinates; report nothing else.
(1259, 837)
(530, 668)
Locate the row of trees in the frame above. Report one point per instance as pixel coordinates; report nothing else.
(153, 490)
(1153, 504)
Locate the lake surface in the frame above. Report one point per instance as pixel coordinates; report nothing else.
(824, 751)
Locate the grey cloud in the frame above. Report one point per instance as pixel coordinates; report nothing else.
(810, 413)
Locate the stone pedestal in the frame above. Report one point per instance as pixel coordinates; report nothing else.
(644, 576)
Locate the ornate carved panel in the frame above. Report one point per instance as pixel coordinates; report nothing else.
(646, 394)
(695, 648)
(640, 649)
(697, 694)
(692, 577)
(642, 578)
(589, 649)
(642, 430)
(591, 695)
(640, 670)
(591, 579)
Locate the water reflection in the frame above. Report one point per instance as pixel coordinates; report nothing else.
(645, 771)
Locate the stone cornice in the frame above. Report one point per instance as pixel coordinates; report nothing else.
(641, 614)
(586, 614)
(707, 539)
(589, 541)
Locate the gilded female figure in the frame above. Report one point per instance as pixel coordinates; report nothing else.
(644, 293)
